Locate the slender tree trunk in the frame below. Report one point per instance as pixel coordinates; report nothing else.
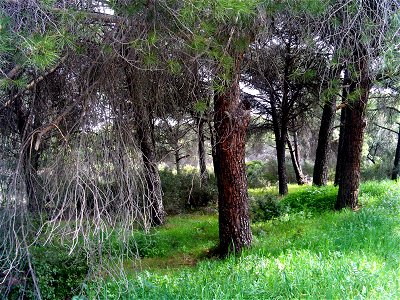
(231, 120)
(353, 140)
(396, 167)
(320, 174)
(213, 146)
(296, 164)
(340, 152)
(202, 151)
(177, 160)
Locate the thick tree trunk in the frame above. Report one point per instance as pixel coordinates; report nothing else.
(231, 120)
(353, 141)
(396, 167)
(296, 164)
(201, 151)
(320, 174)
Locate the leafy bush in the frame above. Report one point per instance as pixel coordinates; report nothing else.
(60, 275)
(183, 192)
(265, 207)
(316, 199)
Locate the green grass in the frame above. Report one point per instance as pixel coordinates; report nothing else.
(303, 254)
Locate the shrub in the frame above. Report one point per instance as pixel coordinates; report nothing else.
(183, 192)
(265, 207)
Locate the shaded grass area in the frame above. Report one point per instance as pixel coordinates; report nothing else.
(306, 253)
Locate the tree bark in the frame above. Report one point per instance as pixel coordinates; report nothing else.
(353, 140)
(320, 174)
(231, 120)
(396, 167)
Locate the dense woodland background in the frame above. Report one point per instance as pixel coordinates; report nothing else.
(117, 115)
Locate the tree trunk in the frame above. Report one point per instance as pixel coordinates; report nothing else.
(296, 165)
(340, 153)
(280, 142)
(177, 160)
(396, 167)
(154, 191)
(320, 174)
(231, 120)
(202, 151)
(30, 164)
(353, 140)
(145, 135)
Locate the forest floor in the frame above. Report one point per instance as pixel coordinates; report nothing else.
(302, 254)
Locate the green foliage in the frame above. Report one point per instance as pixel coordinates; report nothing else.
(183, 192)
(59, 274)
(42, 51)
(200, 106)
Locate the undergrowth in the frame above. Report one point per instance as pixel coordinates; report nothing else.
(307, 252)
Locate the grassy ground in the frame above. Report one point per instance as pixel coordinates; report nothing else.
(305, 253)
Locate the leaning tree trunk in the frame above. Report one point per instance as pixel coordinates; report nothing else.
(296, 164)
(231, 120)
(320, 174)
(396, 167)
(353, 140)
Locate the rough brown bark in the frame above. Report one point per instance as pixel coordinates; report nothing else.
(231, 120)
(320, 174)
(396, 167)
(353, 140)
